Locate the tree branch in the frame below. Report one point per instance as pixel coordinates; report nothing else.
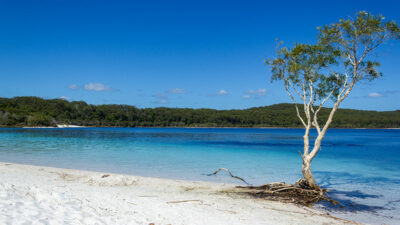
(295, 103)
(298, 93)
(317, 143)
(315, 122)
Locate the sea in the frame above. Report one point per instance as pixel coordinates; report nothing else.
(359, 167)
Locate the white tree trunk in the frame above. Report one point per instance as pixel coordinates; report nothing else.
(306, 170)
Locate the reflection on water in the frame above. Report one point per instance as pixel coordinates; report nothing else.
(361, 167)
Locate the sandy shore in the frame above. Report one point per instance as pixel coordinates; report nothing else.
(44, 195)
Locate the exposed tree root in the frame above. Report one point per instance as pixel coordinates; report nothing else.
(298, 193)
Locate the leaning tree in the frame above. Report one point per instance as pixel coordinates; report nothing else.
(314, 74)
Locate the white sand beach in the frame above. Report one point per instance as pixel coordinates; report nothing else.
(45, 195)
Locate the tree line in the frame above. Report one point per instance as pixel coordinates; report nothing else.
(35, 111)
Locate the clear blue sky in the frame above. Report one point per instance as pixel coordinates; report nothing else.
(172, 53)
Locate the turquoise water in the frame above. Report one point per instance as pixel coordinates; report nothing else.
(361, 167)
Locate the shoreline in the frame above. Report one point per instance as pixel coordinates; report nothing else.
(334, 128)
(38, 194)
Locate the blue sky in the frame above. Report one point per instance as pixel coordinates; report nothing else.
(199, 54)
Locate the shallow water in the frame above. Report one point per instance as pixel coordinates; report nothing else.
(361, 167)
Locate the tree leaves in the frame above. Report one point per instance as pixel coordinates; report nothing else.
(345, 46)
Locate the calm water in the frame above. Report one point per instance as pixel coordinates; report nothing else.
(361, 167)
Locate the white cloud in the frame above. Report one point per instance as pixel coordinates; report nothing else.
(246, 96)
(177, 91)
(222, 92)
(255, 93)
(97, 87)
(374, 95)
(73, 87)
(161, 101)
(251, 92)
(65, 98)
(261, 91)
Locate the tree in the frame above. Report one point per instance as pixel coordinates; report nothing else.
(329, 70)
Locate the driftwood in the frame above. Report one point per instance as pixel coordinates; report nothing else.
(229, 172)
(299, 193)
(173, 202)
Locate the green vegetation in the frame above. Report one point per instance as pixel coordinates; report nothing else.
(315, 73)
(34, 111)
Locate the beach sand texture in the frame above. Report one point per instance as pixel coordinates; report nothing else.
(45, 195)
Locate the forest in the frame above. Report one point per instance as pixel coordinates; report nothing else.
(35, 111)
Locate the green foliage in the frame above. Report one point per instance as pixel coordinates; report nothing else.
(40, 119)
(313, 70)
(342, 56)
(356, 39)
(33, 111)
(301, 68)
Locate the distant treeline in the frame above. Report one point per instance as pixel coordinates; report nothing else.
(34, 111)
